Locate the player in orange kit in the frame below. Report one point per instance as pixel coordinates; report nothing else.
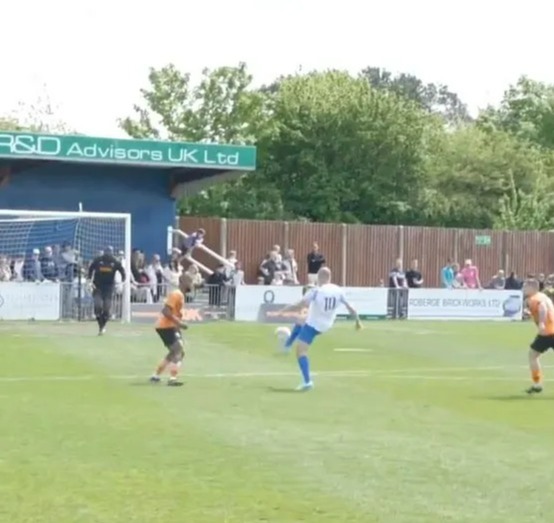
(542, 312)
(168, 327)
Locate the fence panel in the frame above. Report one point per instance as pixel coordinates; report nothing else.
(301, 237)
(529, 252)
(253, 239)
(372, 251)
(432, 247)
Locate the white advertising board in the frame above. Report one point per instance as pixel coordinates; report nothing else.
(368, 302)
(464, 304)
(261, 302)
(26, 300)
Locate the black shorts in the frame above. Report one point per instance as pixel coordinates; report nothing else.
(105, 292)
(543, 343)
(169, 336)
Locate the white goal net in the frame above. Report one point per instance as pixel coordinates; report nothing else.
(44, 259)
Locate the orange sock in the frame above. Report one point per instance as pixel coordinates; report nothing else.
(161, 367)
(536, 376)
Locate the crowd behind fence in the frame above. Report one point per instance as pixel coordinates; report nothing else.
(362, 255)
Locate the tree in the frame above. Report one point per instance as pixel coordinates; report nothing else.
(431, 97)
(526, 111)
(343, 151)
(40, 115)
(222, 107)
(527, 211)
(471, 171)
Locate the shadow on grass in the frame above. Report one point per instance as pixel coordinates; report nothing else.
(282, 390)
(516, 397)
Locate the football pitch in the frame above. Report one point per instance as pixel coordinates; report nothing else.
(409, 422)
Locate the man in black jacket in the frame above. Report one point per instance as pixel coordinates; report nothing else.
(315, 260)
(102, 272)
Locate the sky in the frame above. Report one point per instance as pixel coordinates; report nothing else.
(91, 58)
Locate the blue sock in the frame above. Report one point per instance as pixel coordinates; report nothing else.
(293, 335)
(304, 364)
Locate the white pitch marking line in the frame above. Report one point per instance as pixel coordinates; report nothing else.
(336, 374)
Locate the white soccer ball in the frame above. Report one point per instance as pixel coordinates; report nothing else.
(282, 333)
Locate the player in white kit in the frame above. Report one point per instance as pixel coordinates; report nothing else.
(323, 303)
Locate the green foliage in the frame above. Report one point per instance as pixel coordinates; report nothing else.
(372, 148)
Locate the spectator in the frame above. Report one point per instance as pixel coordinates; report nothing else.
(290, 268)
(458, 277)
(512, 282)
(413, 276)
(17, 267)
(397, 277)
(498, 281)
(48, 265)
(192, 241)
(140, 283)
(232, 260)
(195, 281)
(32, 269)
(541, 279)
(171, 273)
(237, 276)
(398, 293)
(66, 262)
(470, 275)
(155, 277)
(217, 282)
(5, 271)
(447, 275)
(315, 260)
(270, 268)
(277, 249)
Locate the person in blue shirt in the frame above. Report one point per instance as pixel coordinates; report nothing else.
(447, 275)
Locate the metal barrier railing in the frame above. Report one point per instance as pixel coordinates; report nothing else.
(77, 301)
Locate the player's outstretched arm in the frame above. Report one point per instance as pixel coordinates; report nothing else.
(354, 313)
(119, 268)
(92, 268)
(295, 306)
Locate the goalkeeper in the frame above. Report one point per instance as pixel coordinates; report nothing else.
(102, 273)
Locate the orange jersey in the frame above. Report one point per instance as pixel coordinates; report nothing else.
(535, 303)
(175, 303)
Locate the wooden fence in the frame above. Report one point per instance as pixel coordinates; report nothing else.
(364, 254)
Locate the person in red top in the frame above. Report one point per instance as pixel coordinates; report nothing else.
(168, 327)
(542, 312)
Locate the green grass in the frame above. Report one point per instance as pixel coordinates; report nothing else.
(432, 427)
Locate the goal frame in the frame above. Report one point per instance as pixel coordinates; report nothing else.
(18, 213)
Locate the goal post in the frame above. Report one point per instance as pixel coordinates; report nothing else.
(72, 239)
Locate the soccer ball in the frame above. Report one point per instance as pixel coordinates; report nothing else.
(282, 333)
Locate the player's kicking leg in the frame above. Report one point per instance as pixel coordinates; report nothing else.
(305, 338)
(294, 332)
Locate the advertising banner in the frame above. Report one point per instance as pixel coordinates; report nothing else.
(192, 313)
(30, 301)
(465, 304)
(369, 303)
(262, 303)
